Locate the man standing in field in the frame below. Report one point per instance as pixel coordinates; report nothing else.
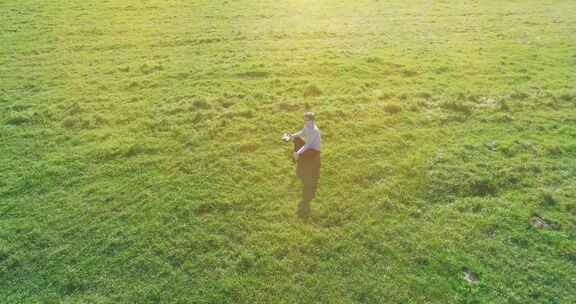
(307, 158)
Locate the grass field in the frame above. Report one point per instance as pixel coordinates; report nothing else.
(141, 161)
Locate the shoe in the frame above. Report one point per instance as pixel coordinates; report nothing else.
(303, 212)
(302, 215)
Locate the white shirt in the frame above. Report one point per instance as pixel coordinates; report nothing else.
(312, 137)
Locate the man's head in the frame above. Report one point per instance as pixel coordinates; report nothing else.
(309, 118)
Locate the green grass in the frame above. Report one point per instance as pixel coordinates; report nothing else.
(141, 161)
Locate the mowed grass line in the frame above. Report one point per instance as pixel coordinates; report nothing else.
(141, 163)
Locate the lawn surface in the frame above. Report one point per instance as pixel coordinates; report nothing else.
(141, 161)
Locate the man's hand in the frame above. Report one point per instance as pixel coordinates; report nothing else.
(296, 155)
(287, 137)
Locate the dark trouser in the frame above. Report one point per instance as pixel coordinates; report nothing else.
(308, 170)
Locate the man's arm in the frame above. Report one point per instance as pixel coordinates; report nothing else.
(297, 133)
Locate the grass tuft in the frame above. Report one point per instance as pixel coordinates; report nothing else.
(312, 91)
(18, 119)
(392, 107)
(457, 106)
(548, 198)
